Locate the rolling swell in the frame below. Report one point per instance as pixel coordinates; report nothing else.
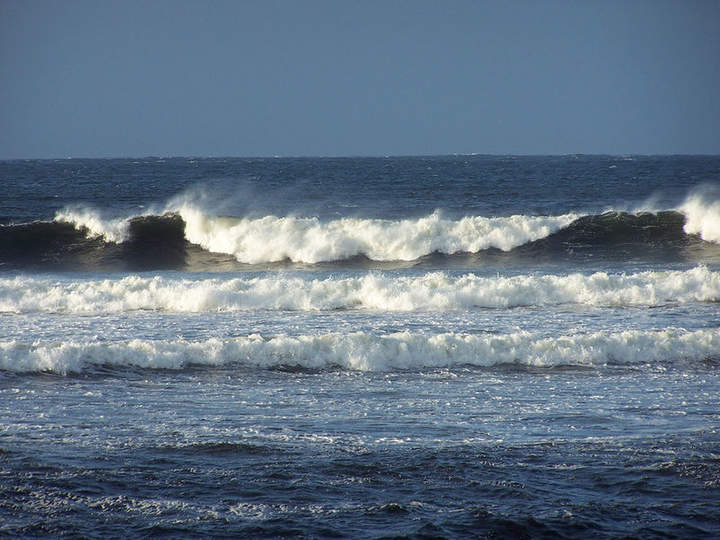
(189, 240)
(620, 235)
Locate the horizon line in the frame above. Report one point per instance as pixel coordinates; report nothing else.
(359, 156)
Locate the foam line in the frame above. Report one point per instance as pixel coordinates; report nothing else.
(369, 352)
(435, 291)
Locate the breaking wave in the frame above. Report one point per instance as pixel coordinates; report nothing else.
(90, 221)
(184, 231)
(309, 240)
(369, 352)
(702, 209)
(434, 291)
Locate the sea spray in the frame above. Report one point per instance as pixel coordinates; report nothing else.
(702, 211)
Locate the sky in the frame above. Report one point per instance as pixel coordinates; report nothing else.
(88, 78)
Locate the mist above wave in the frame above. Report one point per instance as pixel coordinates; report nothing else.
(369, 352)
(435, 291)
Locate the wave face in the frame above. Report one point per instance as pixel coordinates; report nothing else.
(369, 352)
(436, 291)
(138, 243)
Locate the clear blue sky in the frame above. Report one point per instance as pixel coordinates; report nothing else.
(215, 78)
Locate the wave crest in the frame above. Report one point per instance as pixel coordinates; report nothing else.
(702, 211)
(96, 226)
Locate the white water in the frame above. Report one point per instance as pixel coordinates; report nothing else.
(310, 240)
(110, 230)
(436, 291)
(702, 211)
(369, 352)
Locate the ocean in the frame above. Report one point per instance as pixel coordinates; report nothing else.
(457, 346)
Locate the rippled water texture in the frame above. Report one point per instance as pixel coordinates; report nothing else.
(450, 453)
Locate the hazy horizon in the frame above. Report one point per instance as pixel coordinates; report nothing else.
(359, 156)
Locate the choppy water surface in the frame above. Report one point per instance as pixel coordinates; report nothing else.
(456, 346)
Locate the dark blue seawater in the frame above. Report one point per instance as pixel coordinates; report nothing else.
(452, 346)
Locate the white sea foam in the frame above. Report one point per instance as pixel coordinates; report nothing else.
(436, 291)
(310, 240)
(702, 214)
(111, 230)
(369, 352)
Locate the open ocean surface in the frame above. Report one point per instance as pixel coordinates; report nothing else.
(459, 346)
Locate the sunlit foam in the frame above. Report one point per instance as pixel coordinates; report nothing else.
(435, 291)
(369, 352)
